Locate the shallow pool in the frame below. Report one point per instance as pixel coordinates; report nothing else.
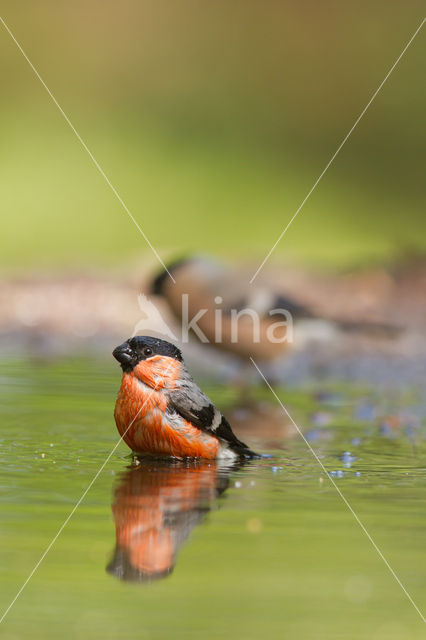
(169, 550)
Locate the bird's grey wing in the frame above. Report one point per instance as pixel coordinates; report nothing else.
(193, 405)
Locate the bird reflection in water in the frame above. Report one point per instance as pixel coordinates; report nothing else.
(156, 505)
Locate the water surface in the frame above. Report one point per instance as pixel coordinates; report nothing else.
(187, 551)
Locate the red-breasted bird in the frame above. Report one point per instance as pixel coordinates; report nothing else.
(160, 410)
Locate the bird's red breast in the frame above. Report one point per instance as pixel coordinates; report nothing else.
(140, 414)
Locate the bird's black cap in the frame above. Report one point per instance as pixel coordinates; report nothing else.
(122, 568)
(140, 348)
(157, 285)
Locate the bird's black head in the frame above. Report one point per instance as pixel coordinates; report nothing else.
(158, 283)
(122, 568)
(140, 348)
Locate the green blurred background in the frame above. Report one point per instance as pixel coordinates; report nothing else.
(212, 120)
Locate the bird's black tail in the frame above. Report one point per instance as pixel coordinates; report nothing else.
(225, 433)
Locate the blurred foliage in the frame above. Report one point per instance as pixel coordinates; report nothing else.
(213, 121)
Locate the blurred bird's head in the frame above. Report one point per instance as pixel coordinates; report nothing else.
(134, 569)
(163, 278)
(155, 362)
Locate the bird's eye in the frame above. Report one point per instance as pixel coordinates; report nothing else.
(147, 351)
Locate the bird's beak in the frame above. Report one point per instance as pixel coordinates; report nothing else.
(123, 353)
